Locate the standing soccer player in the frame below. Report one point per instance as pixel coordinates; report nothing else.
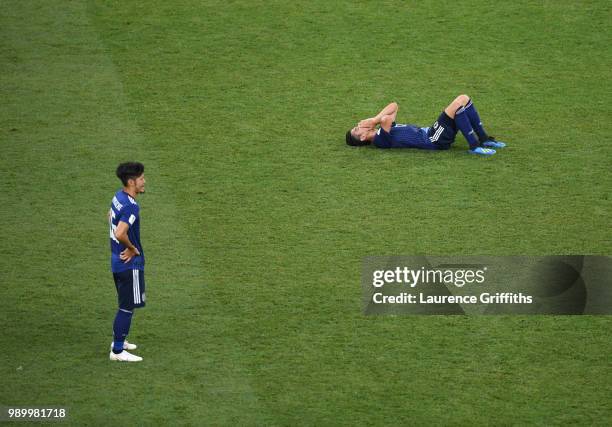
(127, 256)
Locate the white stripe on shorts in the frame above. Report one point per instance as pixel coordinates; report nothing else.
(133, 287)
(136, 286)
(436, 135)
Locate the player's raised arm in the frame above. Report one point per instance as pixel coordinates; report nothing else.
(390, 111)
(387, 116)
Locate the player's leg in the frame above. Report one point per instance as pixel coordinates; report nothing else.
(485, 139)
(456, 110)
(127, 286)
(121, 329)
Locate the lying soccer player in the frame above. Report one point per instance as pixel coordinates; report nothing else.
(460, 114)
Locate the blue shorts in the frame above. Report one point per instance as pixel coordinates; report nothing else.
(130, 285)
(442, 132)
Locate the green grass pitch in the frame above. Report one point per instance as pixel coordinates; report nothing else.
(257, 216)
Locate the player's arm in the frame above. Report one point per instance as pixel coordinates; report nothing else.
(385, 118)
(121, 233)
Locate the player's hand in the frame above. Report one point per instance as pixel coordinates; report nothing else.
(367, 123)
(127, 254)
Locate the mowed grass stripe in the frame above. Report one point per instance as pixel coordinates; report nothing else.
(59, 160)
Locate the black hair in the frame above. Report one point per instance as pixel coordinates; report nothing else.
(129, 170)
(355, 142)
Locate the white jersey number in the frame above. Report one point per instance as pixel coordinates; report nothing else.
(113, 227)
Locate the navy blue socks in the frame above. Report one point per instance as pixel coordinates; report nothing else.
(465, 126)
(121, 328)
(475, 121)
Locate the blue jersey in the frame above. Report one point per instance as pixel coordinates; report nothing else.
(404, 136)
(124, 208)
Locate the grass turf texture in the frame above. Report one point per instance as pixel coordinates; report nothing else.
(258, 216)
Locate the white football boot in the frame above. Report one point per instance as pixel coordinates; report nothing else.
(124, 356)
(126, 346)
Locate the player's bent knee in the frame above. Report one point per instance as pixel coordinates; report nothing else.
(454, 107)
(462, 99)
(451, 109)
